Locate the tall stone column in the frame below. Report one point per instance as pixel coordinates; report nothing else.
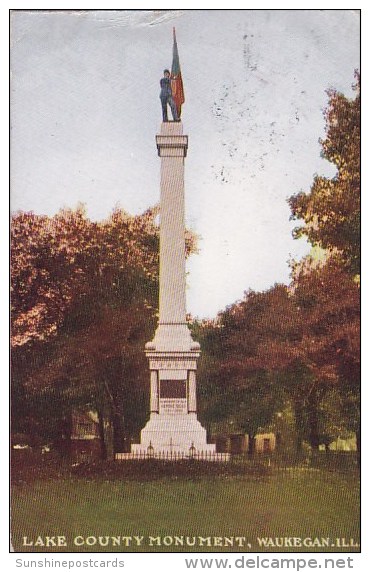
(172, 147)
(173, 426)
(172, 332)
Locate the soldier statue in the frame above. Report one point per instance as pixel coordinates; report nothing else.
(166, 97)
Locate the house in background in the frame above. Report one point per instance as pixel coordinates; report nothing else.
(237, 444)
(348, 444)
(85, 438)
(265, 442)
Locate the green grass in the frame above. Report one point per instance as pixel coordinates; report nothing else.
(296, 503)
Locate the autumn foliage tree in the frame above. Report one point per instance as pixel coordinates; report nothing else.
(57, 260)
(83, 302)
(331, 210)
(295, 345)
(331, 216)
(329, 300)
(236, 385)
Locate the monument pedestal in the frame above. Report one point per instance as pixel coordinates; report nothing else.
(173, 427)
(174, 435)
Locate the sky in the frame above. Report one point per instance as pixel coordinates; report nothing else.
(85, 110)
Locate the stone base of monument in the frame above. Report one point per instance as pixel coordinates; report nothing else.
(174, 433)
(174, 438)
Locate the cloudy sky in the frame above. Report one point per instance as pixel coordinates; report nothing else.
(85, 111)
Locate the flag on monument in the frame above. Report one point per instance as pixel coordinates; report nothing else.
(176, 79)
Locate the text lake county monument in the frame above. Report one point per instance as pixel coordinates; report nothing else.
(173, 427)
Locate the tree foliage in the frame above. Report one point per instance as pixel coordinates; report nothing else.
(291, 344)
(331, 210)
(84, 302)
(83, 297)
(59, 260)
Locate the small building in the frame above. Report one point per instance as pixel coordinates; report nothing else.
(237, 443)
(340, 444)
(85, 438)
(265, 443)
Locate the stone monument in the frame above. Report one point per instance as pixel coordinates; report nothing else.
(173, 426)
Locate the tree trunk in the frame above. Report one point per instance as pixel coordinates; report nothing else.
(314, 435)
(358, 446)
(313, 422)
(251, 444)
(102, 435)
(278, 443)
(118, 434)
(109, 432)
(299, 424)
(106, 433)
(64, 443)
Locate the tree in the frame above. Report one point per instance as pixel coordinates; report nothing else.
(288, 344)
(84, 302)
(265, 343)
(331, 210)
(333, 423)
(235, 387)
(80, 293)
(58, 260)
(329, 297)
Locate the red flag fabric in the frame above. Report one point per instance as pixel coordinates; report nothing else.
(176, 79)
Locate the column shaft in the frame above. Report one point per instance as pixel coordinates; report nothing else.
(172, 147)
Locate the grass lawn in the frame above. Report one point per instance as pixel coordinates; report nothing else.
(297, 503)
